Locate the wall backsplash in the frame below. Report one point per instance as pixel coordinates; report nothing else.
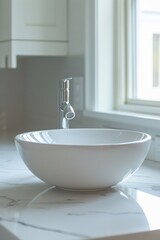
(41, 86)
(12, 107)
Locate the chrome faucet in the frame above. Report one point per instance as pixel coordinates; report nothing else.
(66, 111)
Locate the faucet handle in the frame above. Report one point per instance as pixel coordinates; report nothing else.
(64, 83)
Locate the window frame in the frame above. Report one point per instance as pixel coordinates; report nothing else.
(118, 110)
(126, 59)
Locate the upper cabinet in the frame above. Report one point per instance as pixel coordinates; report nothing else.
(32, 28)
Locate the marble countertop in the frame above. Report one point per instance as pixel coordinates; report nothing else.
(31, 209)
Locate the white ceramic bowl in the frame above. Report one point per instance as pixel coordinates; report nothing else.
(83, 159)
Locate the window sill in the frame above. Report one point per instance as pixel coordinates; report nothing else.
(128, 118)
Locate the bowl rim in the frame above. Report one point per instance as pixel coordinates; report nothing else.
(145, 137)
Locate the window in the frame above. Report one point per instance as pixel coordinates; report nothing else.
(124, 62)
(146, 43)
(141, 63)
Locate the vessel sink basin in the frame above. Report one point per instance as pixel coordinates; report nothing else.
(83, 159)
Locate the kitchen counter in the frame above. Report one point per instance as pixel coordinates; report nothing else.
(31, 209)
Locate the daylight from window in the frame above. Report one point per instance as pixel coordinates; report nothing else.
(147, 86)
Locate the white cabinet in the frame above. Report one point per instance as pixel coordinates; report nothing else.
(32, 28)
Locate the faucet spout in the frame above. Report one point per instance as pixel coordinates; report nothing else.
(69, 112)
(66, 111)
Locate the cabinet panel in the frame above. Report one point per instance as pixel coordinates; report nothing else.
(43, 15)
(40, 19)
(32, 28)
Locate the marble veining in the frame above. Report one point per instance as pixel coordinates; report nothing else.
(43, 228)
(29, 207)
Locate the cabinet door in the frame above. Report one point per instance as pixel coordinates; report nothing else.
(39, 20)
